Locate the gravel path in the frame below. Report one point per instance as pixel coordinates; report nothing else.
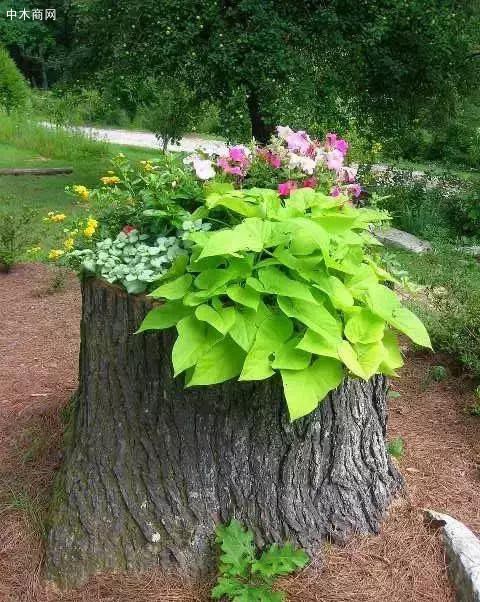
(147, 140)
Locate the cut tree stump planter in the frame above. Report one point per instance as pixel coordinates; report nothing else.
(152, 467)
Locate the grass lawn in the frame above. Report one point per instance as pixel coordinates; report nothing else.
(449, 303)
(47, 193)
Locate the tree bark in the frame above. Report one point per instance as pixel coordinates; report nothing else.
(260, 131)
(152, 467)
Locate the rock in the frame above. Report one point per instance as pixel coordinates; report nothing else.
(471, 250)
(463, 552)
(391, 237)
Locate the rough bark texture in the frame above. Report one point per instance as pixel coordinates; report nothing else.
(152, 467)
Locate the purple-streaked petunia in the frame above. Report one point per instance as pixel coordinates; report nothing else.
(336, 191)
(354, 189)
(348, 174)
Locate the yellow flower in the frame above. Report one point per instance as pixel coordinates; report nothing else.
(91, 227)
(34, 250)
(69, 244)
(55, 254)
(55, 217)
(81, 191)
(108, 180)
(111, 173)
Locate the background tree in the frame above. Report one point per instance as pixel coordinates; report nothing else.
(389, 56)
(13, 87)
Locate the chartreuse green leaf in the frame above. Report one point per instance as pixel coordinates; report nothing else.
(244, 295)
(307, 236)
(313, 315)
(221, 319)
(250, 235)
(279, 560)
(234, 202)
(407, 322)
(270, 337)
(316, 343)
(276, 282)
(370, 357)
(364, 327)
(238, 549)
(164, 316)
(175, 289)
(339, 294)
(194, 339)
(361, 281)
(305, 389)
(361, 360)
(392, 358)
(348, 356)
(247, 323)
(290, 357)
(336, 223)
(217, 364)
(385, 303)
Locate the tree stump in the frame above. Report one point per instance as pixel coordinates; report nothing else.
(151, 467)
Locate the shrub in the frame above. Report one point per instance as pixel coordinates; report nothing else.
(168, 112)
(14, 90)
(15, 236)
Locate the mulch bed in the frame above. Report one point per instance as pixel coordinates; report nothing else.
(39, 343)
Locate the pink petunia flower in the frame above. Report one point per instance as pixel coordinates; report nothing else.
(310, 183)
(286, 188)
(334, 143)
(270, 157)
(342, 146)
(299, 141)
(334, 159)
(335, 191)
(239, 153)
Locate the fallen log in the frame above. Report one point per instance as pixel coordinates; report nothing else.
(43, 171)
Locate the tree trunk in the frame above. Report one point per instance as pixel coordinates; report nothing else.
(152, 467)
(260, 131)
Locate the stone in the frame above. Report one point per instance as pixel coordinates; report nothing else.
(473, 250)
(392, 237)
(463, 553)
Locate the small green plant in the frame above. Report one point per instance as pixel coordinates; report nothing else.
(474, 408)
(393, 394)
(15, 236)
(396, 448)
(438, 373)
(246, 576)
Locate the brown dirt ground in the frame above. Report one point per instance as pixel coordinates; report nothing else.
(38, 359)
